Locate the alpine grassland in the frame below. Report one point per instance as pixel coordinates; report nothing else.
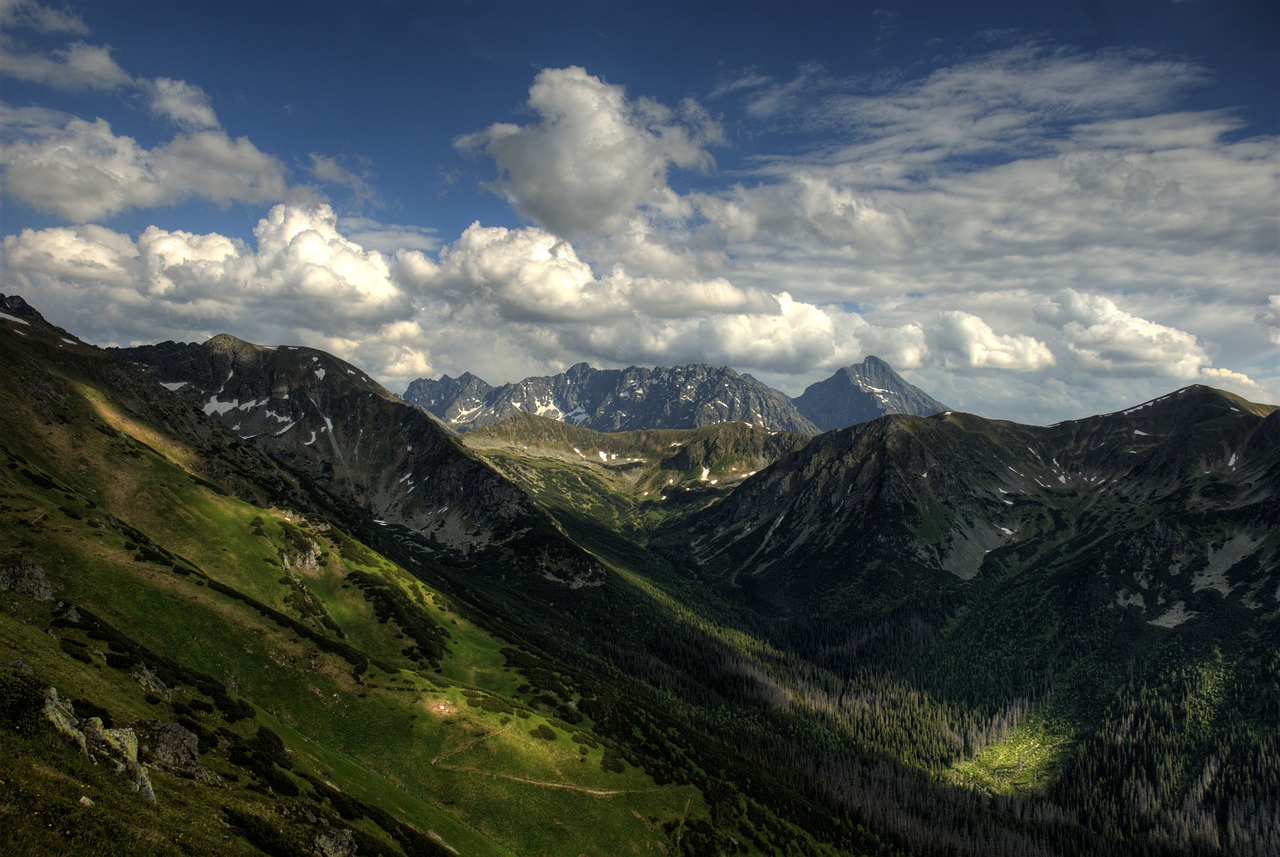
(396, 717)
(307, 618)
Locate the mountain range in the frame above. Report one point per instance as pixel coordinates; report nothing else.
(251, 602)
(610, 400)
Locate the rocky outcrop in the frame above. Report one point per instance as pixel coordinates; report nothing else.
(63, 717)
(172, 747)
(25, 578)
(143, 675)
(118, 747)
(334, 843)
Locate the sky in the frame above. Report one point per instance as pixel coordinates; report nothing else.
(1034, 210)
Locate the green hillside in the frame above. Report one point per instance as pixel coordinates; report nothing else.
(329, 689)
(919, 636)
(628, 482)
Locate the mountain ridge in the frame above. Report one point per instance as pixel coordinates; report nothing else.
(926, 635)
(672, 397)
(329, 421)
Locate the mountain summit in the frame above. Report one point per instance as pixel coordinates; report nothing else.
(861, 393)
(614, 399)
(683, 397)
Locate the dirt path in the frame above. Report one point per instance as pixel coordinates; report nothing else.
(437, 762)
(543, 783)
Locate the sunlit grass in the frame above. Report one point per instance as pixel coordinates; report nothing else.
(1026, 760)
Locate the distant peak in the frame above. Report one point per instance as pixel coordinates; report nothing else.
(225, 343)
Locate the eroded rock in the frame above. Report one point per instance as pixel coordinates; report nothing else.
(173, 747)
(25, 578)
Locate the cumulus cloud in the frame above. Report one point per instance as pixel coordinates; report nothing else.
(528, 274)
(83, 171)
(593, 157)
(495, 297)
(1105, 338)
(1031, 230)
(966, 336)
(302, 275)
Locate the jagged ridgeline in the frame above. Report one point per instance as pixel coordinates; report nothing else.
(308, 617)
(682, 397)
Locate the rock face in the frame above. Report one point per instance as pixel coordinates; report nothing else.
(335, 843)
(25, 578)
(682, 397)
(861, 393)
(118, 746)
(174, 748)
(612, 400)
(143, 675)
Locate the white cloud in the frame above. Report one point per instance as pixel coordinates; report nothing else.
(183, 103)
(808, 208)
(81, 66)
(1105, 338)
(83, 171)
(1032, 233)
(496, 298)
(968, 337)
(328, 170)
(303, 277)
(76, 67)
(29, 15)
(594, 157)
(1017, 100)
(527, 274)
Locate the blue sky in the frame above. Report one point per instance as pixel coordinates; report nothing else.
(1034, 210)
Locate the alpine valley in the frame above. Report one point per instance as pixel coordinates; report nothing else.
(251, 602)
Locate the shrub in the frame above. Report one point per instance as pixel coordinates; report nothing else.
(21, 698)
(611, 761)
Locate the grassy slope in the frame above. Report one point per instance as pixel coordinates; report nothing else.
(980, 664)
(627, 482)
(406, 740)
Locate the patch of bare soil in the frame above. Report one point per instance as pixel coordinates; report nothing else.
(441, 707)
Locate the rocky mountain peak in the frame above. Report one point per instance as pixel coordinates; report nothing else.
(863, 392)
(688, 396)
(612, 400)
